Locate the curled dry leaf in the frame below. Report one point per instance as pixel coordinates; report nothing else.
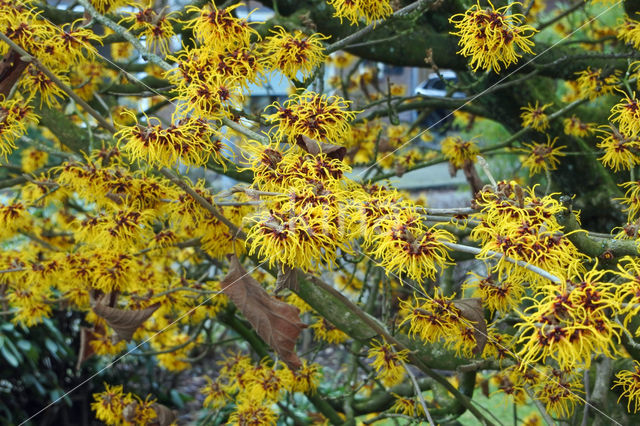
(472, 310)
(124, 322)
(86, 350)
(276, 322)
(287, 278)
(314, 147)
(164, 415)
(11, 68)
(472, 177)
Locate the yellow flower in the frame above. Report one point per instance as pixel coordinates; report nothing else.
(342, 59)
(219, 29)
(215, 396)
(191, 140)
(404, 245)
(492, 37)
(503, 295)
(629, 31)
(532, 419)
(324, 330)
(294, 54)
(534, 116)
(248, 412)
(354, 10)
(307, 378)
(630, 383)
(522, 226)
(157, 29)
(104, 6)
(542, 156)
(408, 406)
(300, 238)
(108, 405)
(558, 390)
(319, 117)
(459, 152)
(619, 148)
(510, 382)
(575, 127)
(15, 117)
(626, 114)
(570, 322)
(388, 362)
(35, 82)
(596, 83)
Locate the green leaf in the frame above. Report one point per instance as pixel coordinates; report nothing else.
(52, 347)
(176, 398)
(25, 345)
(12, 359)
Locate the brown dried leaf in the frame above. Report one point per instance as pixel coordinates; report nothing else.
(314, 147)
(11, 68)
(287, 278)
(86, 350)
(484, 387)
(124, 322)
(164, 415)
(472, 310)
(472, 177)
(276, 322)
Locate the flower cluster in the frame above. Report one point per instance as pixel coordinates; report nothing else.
(294, 54)
(534, 116)
(254, 388)
(318, 117)
(629, 32)
(595, 83)
(191, 140)
(492, 37)
(570, 322)
(619, 148)
(542, 156)
(59, 48)
(388, 363)
(437, 318)
(15, 116)
(355, 10)
(575, 127)
(522, 226)
(114, 407)
(157, 29)
(459, 152)
(629, 381)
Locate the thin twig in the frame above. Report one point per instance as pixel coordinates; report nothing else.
(418, 391)
(547, 418)
(118, 29)
(27, 57)
(491, 253)
(340, 44)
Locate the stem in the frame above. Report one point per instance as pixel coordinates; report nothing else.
(380, 331)
(418, 391)
(118, 29)
(490, 253)
(578, 5)
(340, 44)
(547, 418)
(27, 57)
